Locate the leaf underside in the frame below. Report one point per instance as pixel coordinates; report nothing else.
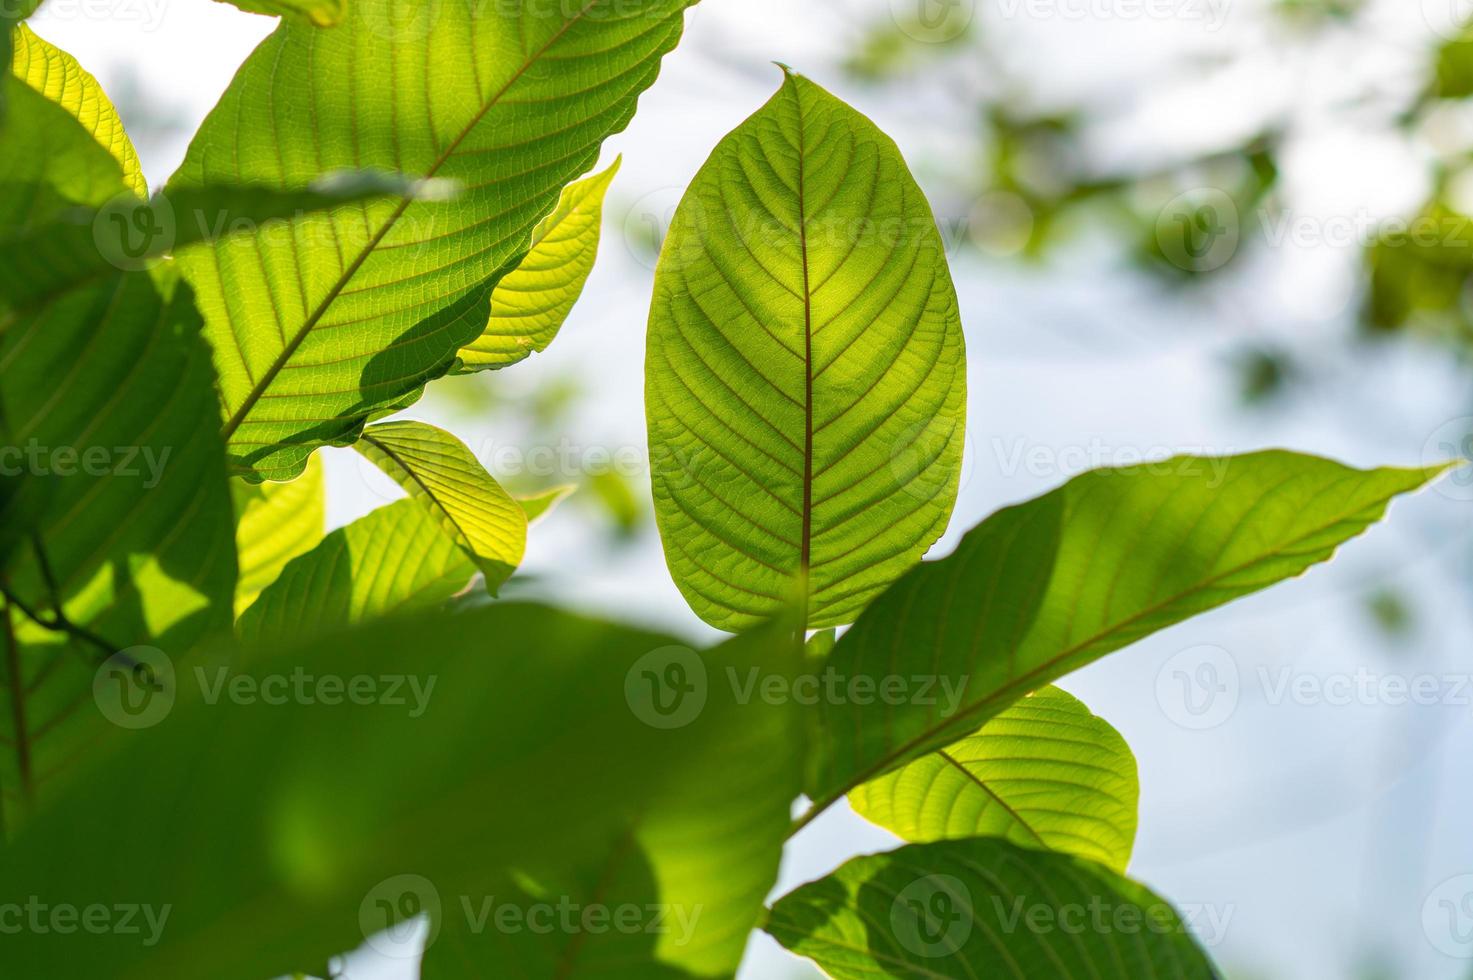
(1044, 773)
(344, 317)
(805, 374)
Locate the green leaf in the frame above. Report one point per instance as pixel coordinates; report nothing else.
(443, 476)
(128, 233)
(275, 522)
(539, 505)
(10, 16)
(319, 13)
(805, 375)
(704, 854)
(1044, 587)
(347, 316)
(532, 301)
(101, 398)
(396, 559)
(1045, 773)
(61, 79)
(51, 164)
(438, 767)
(984, 908)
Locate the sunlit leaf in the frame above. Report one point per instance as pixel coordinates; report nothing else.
(343, 318)
(805, 376)
(1044, 773)
(320, 13)
(467, 503)
(395, 559)
(532, 301)
(275, 522)
(1044, 587)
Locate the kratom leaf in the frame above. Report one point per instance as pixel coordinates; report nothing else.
(1044, 587)
(320, 13)
(985, 908)
(58, 76)
(416, 746)
(539, 505)
(395, 559)
(532, 301)
(101, 397)
(805, 374)
(346, 317)
(275, 522)
(51, 164)
(128, 233)
(704, 854)
(1044, 773)
(444, 477)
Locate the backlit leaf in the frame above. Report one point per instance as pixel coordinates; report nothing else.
(532, 301)
(1044, 587)
(275, 522)
(345, 317)
(444, 477)
(805, 375)
(1044, 773)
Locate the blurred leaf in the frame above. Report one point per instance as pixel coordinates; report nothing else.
(1045, 773)
(445, 478)
(702, 857)
(539, 505)
(984, 908)
(412, 758)
(805, 370)
(102, 394)
(531, 302)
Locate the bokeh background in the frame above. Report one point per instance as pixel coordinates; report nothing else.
(1175, 225)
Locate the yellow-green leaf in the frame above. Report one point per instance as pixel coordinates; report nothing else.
(275, 522)
(1044, 773)
(531, 303)
(443, 476)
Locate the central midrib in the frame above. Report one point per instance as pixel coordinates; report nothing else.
(805, 541)
(280, 361)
